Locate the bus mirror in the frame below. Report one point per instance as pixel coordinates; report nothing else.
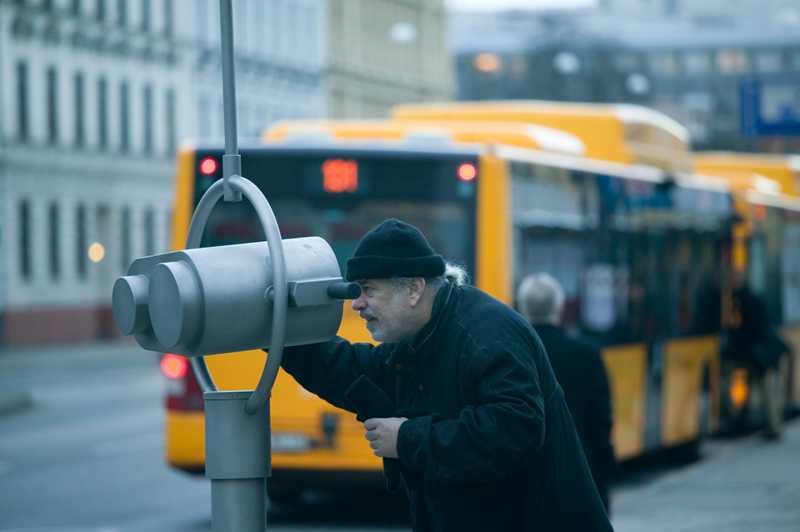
(211, 300)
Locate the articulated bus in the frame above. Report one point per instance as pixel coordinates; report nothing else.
(644, 257)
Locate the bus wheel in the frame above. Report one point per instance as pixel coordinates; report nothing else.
(283, 495)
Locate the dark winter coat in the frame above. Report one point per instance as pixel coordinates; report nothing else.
(753, 340)
(581, 372)
(489, 443)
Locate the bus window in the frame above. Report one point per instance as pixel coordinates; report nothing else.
(341, 198)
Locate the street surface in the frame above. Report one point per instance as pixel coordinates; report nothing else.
(81, 449)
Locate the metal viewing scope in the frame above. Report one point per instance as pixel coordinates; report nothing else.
(202, 301)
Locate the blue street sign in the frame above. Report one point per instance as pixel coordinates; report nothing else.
(769, 109)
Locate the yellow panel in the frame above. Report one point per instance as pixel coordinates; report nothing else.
(494, 229)
(627, 377)
(742, 166)
(184, 197)
(185, 439)
(684, 360)
(601, 132)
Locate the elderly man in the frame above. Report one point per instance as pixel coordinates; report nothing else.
(479, 432)
(579, 369)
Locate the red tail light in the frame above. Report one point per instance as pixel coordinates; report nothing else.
(183, 391)
(208, 166)
(174, 366)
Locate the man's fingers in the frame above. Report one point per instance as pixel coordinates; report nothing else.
(371, 435)
(371, 423)
(375, 445)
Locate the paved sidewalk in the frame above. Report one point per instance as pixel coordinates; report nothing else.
(749, 485)
(15, 395)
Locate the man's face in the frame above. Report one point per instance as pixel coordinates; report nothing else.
(388, 310)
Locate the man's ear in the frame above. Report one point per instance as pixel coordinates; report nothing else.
(415, 290)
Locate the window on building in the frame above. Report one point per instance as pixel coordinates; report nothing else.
(124, 117)
(125, 238)
(81, 242)
(794, 60)
(47, 5)
(768, 61)
(149, 232)
(146, 15)
(203, 115)
(168, 17)
(147, 101)
(54, 229)
(626, 62)
(25, 251)
(100, 10)
(23, 124)
(171, 125)
(79, 109)
(52, 105)
(75, 7)
(122, 13)
(697, 62)
(664, 64)
(732, 61)
(201, 20)
(102, 114)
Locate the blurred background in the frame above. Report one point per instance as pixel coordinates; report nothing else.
(102, 100)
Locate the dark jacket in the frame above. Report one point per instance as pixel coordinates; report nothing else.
(581, 372)
(489, 444)
(753, 340)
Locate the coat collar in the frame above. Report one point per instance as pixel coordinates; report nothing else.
(406, 352)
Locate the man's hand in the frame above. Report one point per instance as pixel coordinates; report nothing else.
(382, 435)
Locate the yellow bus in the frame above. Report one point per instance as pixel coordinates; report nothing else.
(784, 169)
(766, 245)
(633, 248)
(621, 133)
(529, 136)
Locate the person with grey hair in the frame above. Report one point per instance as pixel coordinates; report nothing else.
(459, 399)
(579, 369)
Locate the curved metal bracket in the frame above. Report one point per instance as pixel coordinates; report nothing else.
(279, 284)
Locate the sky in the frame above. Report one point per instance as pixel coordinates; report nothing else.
(511, 4)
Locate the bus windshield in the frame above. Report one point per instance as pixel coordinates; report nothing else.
(339, 196)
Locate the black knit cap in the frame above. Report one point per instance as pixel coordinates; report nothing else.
(394, 249)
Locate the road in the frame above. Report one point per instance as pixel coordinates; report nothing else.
(81, 449)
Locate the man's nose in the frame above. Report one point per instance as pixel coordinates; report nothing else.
(359, 304)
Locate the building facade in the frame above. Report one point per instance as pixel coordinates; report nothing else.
(91, 118)
(279, 50)
(689, 67)
(384, 52)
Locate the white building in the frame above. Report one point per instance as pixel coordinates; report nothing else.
(279, 64)
(91, 116)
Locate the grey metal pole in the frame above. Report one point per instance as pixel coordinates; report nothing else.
(236, 430)
(231, 161)
(237, 461)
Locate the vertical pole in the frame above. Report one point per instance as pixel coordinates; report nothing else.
(237, 461)
(237, 441)
(231, 161)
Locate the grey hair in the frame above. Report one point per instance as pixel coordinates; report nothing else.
(541, 299)
(452, 273)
